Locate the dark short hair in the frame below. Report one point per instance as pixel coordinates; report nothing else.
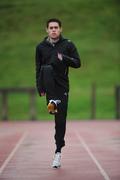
(53, 20)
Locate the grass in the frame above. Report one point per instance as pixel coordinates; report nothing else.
(92, 25)
(79, 105)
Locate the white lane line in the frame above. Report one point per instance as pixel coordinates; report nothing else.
(13, 152)
(102, 171)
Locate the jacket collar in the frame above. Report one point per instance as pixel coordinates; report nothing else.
(47, 40)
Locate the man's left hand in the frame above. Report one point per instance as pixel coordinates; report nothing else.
(60, 56)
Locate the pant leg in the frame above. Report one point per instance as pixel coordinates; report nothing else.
(60, 122)
(49, 82)
(53, 91)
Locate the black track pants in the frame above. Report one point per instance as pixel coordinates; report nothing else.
(49, 82)
(60, 122)
(54, 91)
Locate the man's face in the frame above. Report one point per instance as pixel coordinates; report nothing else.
(54, 30)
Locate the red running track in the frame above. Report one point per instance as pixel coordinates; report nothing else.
(92, 151)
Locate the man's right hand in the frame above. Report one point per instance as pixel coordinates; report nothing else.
(42, 94)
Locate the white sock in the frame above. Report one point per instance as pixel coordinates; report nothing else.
(55, 101)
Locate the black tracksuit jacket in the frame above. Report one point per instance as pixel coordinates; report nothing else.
(46, 54)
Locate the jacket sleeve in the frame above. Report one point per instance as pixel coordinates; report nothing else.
(73, 58)
(38, 68)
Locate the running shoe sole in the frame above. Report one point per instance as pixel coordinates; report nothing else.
(52, 108)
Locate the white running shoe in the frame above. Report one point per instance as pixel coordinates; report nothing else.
(56, 161)
(52, 106)
(55, 101)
